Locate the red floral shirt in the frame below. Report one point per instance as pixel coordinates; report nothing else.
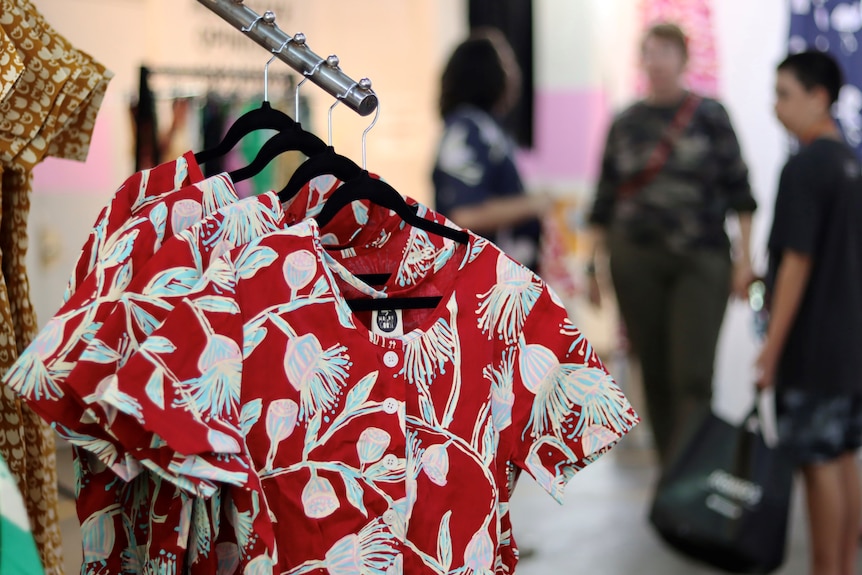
(356, 452)
(155, 513)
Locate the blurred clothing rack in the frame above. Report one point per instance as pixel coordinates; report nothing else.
(147, 149)
(220, 74)
(293, 50)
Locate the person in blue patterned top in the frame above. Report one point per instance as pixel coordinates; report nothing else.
(476, 181)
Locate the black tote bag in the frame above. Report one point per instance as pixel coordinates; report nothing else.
(725, 499)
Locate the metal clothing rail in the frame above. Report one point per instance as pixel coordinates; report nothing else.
(294, 51)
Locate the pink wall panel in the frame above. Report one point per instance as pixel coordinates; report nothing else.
(569, 135)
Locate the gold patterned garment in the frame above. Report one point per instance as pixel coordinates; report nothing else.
(50, 93)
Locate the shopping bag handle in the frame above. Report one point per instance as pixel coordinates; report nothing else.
(748, 432)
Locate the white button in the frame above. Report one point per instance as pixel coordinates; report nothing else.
(390, 359)
(390, 462)
(390, 406)
(389, 517)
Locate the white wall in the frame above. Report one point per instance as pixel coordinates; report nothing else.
(752, 40)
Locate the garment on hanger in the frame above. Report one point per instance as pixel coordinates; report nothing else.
(152, 520)
(357, 432)
(170, 275)
(48, 109)
(147, 300)
(38, 375)
(122, 332)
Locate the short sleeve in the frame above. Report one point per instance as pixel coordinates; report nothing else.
(463, 165)
(567, 410)
(183, 384)
(798, 215)
(39, 374)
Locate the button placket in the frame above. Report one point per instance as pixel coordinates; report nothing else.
(394, 461)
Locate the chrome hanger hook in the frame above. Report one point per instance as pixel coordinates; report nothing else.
(307, 75)
(266, 69)
(329, 117)
(252, 25)
(368, 129)
(268, 18)
(338, 101)
(296, 98)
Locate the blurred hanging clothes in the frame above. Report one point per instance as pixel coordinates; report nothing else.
(183, 124)
(695, 19)
(145, 124)
(165, 126)
(835, 26)
(48, 110)
(214, 122)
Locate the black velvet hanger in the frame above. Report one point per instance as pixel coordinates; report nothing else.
(379, 192)
(264, 118)
(326, 163)
(427, 302)
(291, 139)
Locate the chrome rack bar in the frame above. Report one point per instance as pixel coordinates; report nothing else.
(293, 50)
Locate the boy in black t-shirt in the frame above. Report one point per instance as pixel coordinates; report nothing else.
(813, 349)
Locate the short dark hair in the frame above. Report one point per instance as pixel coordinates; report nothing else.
(815, 69)
(474, 75)
(669, 32)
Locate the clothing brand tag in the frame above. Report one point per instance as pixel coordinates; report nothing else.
(387, 322)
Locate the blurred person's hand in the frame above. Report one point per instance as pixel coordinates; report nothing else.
(743, 277)
(542, 202)
(766, 367)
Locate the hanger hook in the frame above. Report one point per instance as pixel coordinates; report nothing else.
(329, 117)
(365, 84)
(266, 69)
(368, 129)
(338, 101)
(268, 17)
(251, 26)
(300, 36)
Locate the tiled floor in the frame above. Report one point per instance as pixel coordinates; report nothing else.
(601, 530)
